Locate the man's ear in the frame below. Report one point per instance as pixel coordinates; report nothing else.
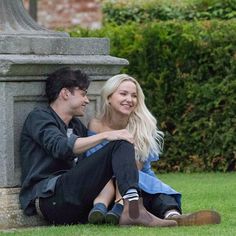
(64, 93)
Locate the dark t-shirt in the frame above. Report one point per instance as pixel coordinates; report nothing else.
(46, 151)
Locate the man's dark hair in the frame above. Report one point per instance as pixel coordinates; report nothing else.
(65, 78)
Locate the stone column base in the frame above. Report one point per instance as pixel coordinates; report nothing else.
(11, 216)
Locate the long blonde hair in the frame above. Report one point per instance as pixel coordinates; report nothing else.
(142, 124)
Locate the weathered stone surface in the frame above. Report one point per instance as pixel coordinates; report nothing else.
(23, 92)
(28, 54)
(15, 20)
(29, 65)
(11, 216)
(53, 45)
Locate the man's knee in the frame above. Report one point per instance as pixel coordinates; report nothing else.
(123, 144)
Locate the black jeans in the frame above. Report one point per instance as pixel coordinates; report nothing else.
(76, 189)
(159, 203)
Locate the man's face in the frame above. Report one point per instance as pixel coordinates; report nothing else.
(77, 101)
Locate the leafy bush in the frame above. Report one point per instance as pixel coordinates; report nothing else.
(187, 71)
(146, 11)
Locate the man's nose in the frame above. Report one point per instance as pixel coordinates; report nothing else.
(86, 99)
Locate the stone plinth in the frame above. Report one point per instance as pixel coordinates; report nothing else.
(22, 79)
(22, 86)
(11, 216)
(28, 53)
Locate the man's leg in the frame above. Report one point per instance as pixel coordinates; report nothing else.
(58, 212)
(77, 189)
(85, 181)
(80, 185)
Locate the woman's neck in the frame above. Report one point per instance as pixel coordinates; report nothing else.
(115, 123)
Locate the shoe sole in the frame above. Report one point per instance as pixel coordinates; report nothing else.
(172, 224)
(198, 218)
(112, 219)
(96, 217)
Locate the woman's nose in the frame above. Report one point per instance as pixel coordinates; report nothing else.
(129, 98)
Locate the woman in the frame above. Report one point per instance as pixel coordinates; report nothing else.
(124, 108)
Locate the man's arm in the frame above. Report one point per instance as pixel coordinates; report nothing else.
(49, 134)
(83, 144)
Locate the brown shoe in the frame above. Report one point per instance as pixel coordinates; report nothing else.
(134, 213)
(203, 217)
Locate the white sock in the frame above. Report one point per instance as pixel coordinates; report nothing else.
(171, 213)
(131, 194)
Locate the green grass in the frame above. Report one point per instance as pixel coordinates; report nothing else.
(199, 191)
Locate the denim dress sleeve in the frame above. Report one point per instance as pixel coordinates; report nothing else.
(90, 151)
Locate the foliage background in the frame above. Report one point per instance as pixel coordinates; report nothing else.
(121, 11)
(184, 56)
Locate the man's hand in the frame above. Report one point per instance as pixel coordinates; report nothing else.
(122, 134)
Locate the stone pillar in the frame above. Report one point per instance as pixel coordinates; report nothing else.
(28, 52)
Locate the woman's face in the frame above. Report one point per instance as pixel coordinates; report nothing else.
(124, 99)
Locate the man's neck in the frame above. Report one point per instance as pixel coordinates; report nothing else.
(59, 109)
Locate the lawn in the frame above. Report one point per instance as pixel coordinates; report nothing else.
(199, 191)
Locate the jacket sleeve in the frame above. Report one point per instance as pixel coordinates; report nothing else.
(47, 133)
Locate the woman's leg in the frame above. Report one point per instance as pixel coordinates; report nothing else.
(107, 195)
(118, 196)
(113, 215)
(98, 213)
(159, 204)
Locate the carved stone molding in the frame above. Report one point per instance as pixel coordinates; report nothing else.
(15, 20)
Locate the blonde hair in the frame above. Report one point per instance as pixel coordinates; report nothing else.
(142, 124)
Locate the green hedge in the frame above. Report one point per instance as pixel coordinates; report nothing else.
(145, 11)
(188, 73)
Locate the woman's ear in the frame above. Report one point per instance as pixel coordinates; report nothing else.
(108, 101)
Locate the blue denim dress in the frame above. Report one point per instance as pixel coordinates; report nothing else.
(148, 181)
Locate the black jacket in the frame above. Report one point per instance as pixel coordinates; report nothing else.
(46, 152)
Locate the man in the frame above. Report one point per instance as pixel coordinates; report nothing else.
(60, 184)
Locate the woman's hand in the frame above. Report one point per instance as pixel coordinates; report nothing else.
(139, 165)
